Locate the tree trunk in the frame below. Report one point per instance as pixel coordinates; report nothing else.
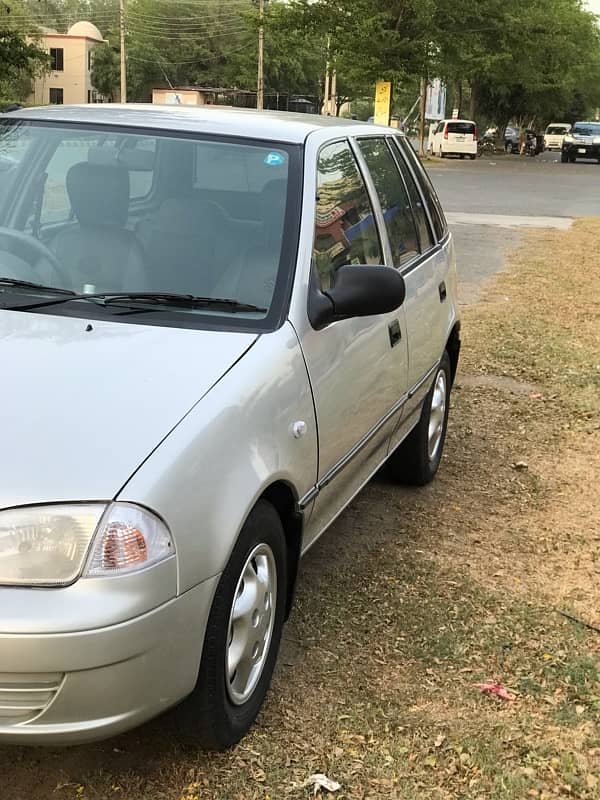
(473, 101)
(457, 96)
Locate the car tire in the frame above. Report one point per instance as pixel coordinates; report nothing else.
(564, 158)
(416, 461)
(572, 159)
(472, 157)
(441, 153)
(222, 709)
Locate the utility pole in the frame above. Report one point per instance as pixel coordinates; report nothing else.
(326, 87)
(123, 58)
(260, 87)
(333, 100)
(422, 116)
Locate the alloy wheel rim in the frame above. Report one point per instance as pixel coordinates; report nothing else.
(251, 622)
(437, 415)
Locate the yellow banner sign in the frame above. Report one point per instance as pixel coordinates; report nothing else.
(383, 102)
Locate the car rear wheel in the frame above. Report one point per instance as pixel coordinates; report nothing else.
(417, 459)
(242, 635)
(441, 153)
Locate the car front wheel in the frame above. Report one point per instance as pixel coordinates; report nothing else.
(417, 459)
(242, 635)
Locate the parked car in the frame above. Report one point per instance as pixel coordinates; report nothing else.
(454, 137)
(555, 134)
(582, 141)
(511, 139)
(215, 326)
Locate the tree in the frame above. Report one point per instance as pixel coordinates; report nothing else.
(20, 59)
(106, 70)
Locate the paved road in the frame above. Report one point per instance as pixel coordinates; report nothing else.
(489, 200)
(517, 185)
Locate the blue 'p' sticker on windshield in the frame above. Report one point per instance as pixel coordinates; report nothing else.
(274, 159)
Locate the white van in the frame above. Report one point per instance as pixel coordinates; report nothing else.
(453, 137)
(554, 135)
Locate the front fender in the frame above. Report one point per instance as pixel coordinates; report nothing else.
(208, 473)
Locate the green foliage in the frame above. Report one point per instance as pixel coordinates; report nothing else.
(106, 70)
(504, 58)
(20, 57)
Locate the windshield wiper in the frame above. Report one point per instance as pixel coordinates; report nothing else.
(19, 284)
(167, 299)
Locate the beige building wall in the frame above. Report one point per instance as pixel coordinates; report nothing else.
(184, 97)
(75, 77)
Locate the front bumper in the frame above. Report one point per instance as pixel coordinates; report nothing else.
(576, 150)
(74, 687)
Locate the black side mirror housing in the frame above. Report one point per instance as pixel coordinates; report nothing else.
(359, 290)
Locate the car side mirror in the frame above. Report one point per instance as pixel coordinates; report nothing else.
(359, 290)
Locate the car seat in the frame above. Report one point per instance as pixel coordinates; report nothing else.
(98, 250)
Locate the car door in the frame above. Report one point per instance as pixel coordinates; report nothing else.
(357, 367)
(429, 279)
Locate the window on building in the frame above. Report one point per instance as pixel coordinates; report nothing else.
(90, 61)
(56, 97)
(57, 59)
(89, 96)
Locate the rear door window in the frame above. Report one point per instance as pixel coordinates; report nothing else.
(435, 209)
(426, 239)
(394, 199)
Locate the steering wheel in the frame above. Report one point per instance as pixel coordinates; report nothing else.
(38, 250)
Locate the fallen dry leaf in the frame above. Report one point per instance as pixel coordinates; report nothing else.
(320, 781)
(496, 689)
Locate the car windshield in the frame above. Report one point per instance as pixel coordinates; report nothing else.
(587, 128)
(96, 210)
(557, 130)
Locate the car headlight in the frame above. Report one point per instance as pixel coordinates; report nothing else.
(596, 140)
(54, 545)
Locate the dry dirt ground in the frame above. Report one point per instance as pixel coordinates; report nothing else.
(415, 596)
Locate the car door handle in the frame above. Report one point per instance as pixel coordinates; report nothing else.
(395, 332)
(442, 291)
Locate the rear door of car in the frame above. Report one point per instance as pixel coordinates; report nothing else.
(430, 281)
(460, 135)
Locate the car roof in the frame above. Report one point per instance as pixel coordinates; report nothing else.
(292, 128)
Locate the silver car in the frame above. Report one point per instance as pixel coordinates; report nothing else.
(215, 326)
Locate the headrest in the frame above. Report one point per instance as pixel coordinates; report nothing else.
(99, 193)
(274, 192)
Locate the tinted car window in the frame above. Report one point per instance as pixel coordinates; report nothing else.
(461, 127)
(345, 229)
(394, 199)
(426, 239)
(431, 198)
(586, 128)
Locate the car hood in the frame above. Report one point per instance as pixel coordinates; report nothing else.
(81, 409)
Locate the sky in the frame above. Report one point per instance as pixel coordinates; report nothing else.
(594, 5)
